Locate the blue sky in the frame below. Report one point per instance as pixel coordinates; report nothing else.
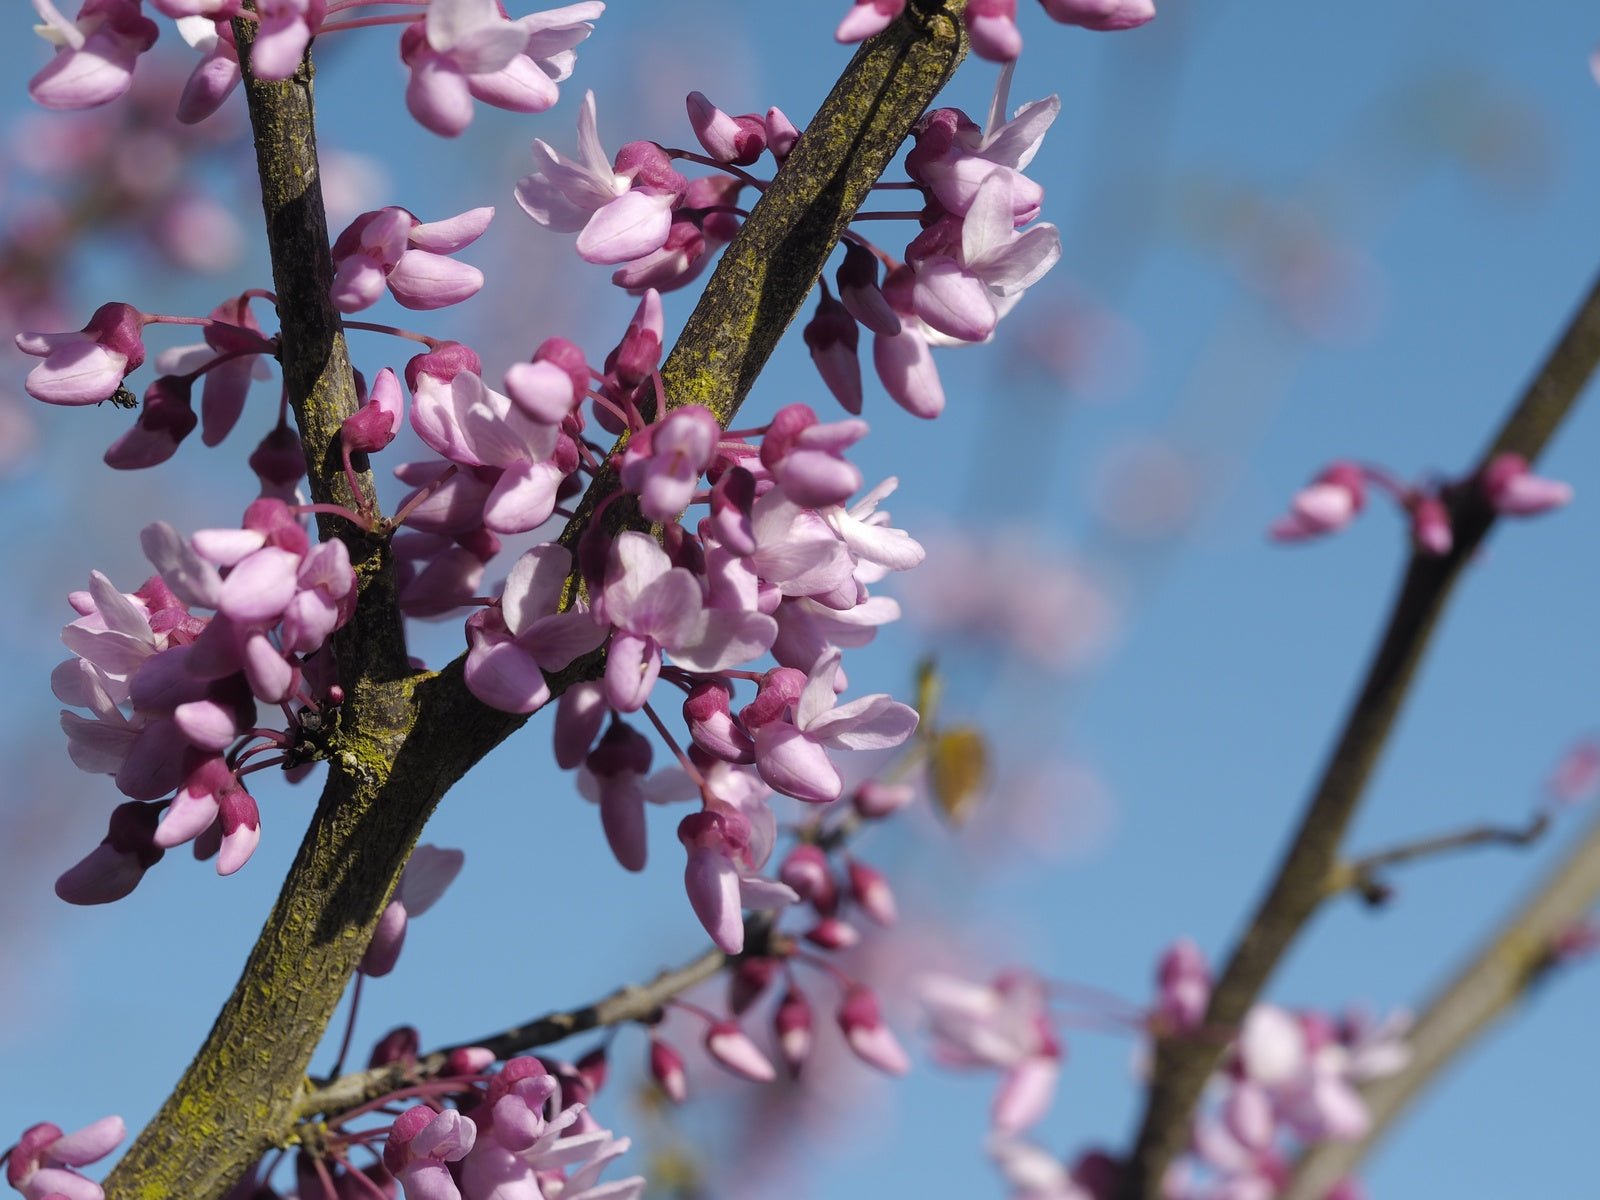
(1446, 168)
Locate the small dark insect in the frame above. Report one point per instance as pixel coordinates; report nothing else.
(123, 398)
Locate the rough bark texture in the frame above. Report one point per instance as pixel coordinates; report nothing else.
(403, 740)
(1183, 1065)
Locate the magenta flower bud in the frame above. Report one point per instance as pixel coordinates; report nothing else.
(1334, 499)
(406, 1127)
(165, 420)
(867, 1035)
(736, 140)
(792, 1025)
(649, 166)
(857, 280)
(279, 461)
(733, 499)
(442, 364)
(872, 892)
(866, 18)
(781, 134)
(678, 261)
(831, 933)
(779, 689)
(833, 338)
(663, 462)
(992, 28)
(1430, 525)
(1105, 16)
(469, 1060)
(1184, 987)
(1515, 491)
(874, 800)
(88, 365)
(712, 726)
(623, 749)
(733, 1049)
(41, 1163)
(579, 714)
(400, 1045)
(114, 867)
(542, 390)
(806, 457)
(666, 1068)
(240, 821)
(374, 425)
(639, 352)
(806, 869)
(747, 982)
(595, 1067)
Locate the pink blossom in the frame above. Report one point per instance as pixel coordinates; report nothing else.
(992, 28)
(216, 74)
(728, 844)
(614, 777)
(866, 18)
(511, 647)
(791, 752)
(623, 212)
(87, 366)
(468, 49)
(95, 53)
(864, 1031)
(806, 457)
(1102, 15)
(737, 140)
(282, 34)
(953, 157)
(40, 1165)
(1512, 489)
(1184, 982)
(428, 873)
(390, 247)
(664, 461)
(732, 1048)
(666, 1068)
(1327, 505)
(655, 608)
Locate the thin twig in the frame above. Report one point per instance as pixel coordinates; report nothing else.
(1182, 1066)
(1364, 874)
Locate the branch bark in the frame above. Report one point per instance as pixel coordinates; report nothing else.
(404, 739)
(1481, 993)
(1301, 882)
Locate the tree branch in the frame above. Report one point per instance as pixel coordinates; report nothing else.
(1484, 990)
(1183, 1065)
(1364, 874)
(403, 740)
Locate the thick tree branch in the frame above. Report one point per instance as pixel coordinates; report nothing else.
(404, 740)
(1182, 1066)
(1482, 992)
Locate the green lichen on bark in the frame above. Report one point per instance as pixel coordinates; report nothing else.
(403, 740)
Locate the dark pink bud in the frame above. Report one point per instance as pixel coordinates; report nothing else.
(1430, 525)
(733, 499)
(469, 1060)
(781, 134)
(569, 358)
(594, 1067)
(398, 1045)
(1515, 491)
(373, 426)
(165, 420)
(874, 800)
(639, 352)
(443, 363)
(649, 166)
(279, 461)
(792, 1025)
(779, 689)
(715, 191)
(713, 728)
(579, 715)
(406, 1126)
(737, 140)
(992, 28)
(857, 279)
(831, 933)
(622, 748)
(872, 892)
(733, 1049)
(748, 981)
(867, 1035)
(806, 869)
(833, 339)
(666, 1068)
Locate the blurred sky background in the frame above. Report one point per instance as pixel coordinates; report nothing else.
(1291, 233)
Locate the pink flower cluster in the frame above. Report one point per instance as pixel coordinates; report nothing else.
(172, 693)
(1336, 497)
(965, 270)
(42, 1164)
(457, 52)
(992, 24)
